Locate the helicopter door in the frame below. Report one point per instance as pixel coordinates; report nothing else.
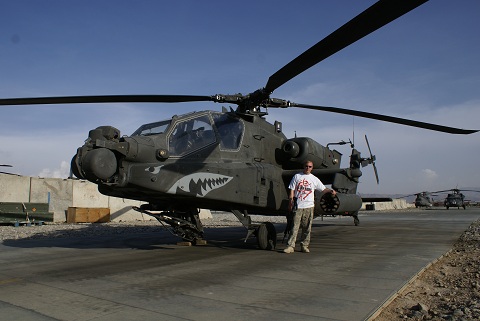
(230, 131)
(260, 192)
(268, 192)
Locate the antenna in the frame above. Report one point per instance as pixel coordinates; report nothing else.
(353, 129)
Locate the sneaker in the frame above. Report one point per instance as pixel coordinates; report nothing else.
(289, 250)
(305, 249)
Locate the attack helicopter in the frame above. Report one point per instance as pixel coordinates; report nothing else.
(234, 159)
(455, 198)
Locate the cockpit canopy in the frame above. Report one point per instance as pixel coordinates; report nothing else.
(191, 132)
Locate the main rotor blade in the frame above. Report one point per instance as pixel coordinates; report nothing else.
(390, 119)
(375, 17)
(7, 173)
(444, 191)
(407, 195)
(104, 99)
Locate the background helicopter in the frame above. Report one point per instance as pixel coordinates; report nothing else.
(455, 198)
(422, 199)
(250, 178)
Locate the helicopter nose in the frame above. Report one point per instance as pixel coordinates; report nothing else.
(99, 163)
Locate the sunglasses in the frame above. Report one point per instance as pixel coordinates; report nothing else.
(308, 166)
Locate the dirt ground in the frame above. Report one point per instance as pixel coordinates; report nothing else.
(449, 289)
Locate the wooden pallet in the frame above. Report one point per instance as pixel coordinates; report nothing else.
(21, 223)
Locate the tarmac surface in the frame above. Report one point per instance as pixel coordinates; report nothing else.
(350, 272)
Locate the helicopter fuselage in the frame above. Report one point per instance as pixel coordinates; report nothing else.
(455, 200)
(213, 160)
(423, 200)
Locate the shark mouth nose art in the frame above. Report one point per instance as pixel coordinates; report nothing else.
(199, 184)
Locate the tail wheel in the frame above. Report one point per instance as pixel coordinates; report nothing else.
(266, 236)
(356, 221)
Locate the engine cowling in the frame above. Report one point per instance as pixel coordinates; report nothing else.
(296, 151)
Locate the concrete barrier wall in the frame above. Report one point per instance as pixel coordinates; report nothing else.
(85, 194)
(64, 193)
(396, 204)
(14, 188)
(56, 192)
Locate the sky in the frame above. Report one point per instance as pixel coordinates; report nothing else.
(422, 66)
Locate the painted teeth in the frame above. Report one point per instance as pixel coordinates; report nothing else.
(200, 184)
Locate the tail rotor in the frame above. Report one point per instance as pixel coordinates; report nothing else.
(370, 160)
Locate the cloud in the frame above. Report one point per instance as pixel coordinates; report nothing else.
(429, 174)
(62, 172)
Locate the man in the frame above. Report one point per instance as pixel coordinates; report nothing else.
(302, 190)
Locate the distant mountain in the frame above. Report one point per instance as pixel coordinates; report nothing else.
(365, 195)
(472, 196)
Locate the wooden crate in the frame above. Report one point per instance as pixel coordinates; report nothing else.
(88, 215)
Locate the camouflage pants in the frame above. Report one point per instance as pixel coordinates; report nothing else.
(302, 220)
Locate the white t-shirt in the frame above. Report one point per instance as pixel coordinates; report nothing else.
(304, 186)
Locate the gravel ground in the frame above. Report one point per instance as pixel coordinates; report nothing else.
(448, 289)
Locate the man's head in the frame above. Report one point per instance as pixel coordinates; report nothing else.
(307, 167)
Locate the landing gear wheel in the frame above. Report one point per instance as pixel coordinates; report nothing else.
(266, 236)
(356, 221)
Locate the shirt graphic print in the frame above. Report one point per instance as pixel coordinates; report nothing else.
(304, 186)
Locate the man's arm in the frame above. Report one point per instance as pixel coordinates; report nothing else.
(291, 195)
(329, 190)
